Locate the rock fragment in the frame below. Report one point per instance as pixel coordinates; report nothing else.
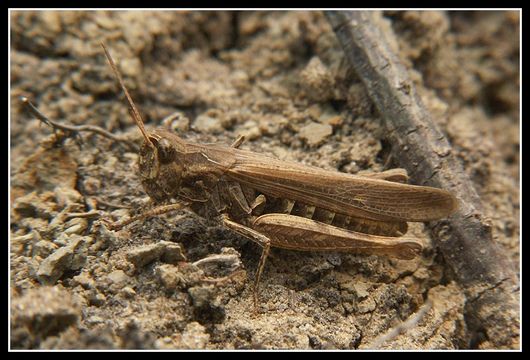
(317, 80)
(315, 133)
(207, 124)
(144, 255)
(164, 250)
(194, 336)
(168, 275)
(44, 311)
(69, 257)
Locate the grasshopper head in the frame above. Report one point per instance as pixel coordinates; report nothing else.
(159, 166)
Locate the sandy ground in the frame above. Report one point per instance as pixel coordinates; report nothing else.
(278, 78)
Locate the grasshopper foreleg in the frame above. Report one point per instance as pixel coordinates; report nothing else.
(159, 210)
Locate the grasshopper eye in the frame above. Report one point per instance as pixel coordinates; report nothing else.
(166, 152)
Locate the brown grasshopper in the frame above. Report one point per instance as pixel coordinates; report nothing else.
(284, 204)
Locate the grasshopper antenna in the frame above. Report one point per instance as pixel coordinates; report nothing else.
(134, 111)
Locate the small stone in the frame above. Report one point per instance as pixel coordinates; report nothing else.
(171, 253)
(422, 273)
(44, 311)
(366, 305)
(96, 298)
(131, 67)
(80, 245)
(43, 248)
(177, 122)
(103, 238)
(92, 185)
(361, 289)
(334, 259)
(67, 196)
(250, 130)
(85, 280)
(240, 80)
(33, 205)
(317, 80)
(19, 244)
(165, 250)
(314, 111)
(118, 277)
(51, 22)
(348, 307)
(165, 343)
(94, 320)
(69, 257)
(315, 133)
(190, 275)
(194, 336)
(220, 264)
(201, 295)
(144, 255)
(169, 276)
(75, 226)
(335, 121)
(207, 124)
(61, 240)
(128, 292)
(271, 124)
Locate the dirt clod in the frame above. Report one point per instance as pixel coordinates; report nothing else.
(41, 313)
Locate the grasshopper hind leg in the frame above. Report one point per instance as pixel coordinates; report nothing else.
(258, 238)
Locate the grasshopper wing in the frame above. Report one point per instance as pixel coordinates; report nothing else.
(351, 195)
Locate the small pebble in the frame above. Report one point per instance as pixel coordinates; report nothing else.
(169, 276)
(195, 336)
(118, 277)
(315, 133)
(207, 124)
(44, 311)
(69, 257)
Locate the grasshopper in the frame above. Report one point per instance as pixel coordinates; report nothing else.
(283, 204)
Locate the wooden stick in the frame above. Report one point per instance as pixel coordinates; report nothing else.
(485, 273)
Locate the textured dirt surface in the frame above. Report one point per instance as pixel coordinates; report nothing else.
(278, 78)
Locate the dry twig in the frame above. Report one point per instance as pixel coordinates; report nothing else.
(73, 130)
(485, 273)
